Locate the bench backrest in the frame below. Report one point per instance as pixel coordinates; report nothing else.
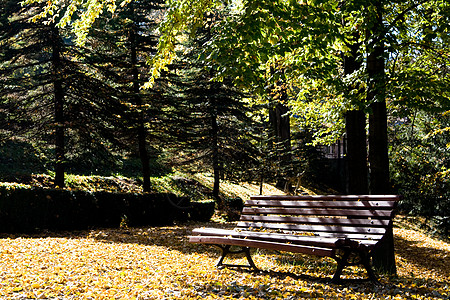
(358, 217)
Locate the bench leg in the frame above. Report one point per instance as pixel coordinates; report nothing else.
(343, 262)
(365, 260)
(227, 250)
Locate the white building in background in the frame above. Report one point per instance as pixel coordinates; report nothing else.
(336, 150)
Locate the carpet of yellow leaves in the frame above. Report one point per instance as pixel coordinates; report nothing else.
(159, 263)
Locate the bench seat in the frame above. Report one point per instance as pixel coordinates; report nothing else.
(336, 226)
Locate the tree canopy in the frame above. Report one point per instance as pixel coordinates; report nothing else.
(304, 39)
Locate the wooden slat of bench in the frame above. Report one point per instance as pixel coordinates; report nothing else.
(217, 240)
(353, 236)
(312, 228)
(328, 242)
(341, 235)
(318, 212)
(328, 197)
(312, 220)
(323, 204)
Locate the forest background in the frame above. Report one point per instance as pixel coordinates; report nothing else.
(249, 91)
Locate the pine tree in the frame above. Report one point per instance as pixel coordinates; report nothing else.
(51, 98)
(210, 121)
(122, 45)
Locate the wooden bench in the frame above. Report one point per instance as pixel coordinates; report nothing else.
(345, 228)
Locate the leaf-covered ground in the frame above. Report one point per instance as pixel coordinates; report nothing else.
(159, 263)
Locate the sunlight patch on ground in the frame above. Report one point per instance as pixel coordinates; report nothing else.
(241, 189)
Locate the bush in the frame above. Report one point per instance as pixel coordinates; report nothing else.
(27, 209)
(19, 210)
(232, 208)
(202, 211)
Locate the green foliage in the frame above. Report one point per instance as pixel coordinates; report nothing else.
(209, 124)
(120, 46)
(419, 163)
(40, 69)
(418, 46)
(20, 159)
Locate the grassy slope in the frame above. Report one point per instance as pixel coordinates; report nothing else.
(198, 186)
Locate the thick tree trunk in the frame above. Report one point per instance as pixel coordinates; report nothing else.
(59, 109)
(378, 143)
(378, 149)
(355, 127)
(141, 131)
(357, 181)
(383, 258)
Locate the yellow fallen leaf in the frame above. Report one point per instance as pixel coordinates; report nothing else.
(35, 285)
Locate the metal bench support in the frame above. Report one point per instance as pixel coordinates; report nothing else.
(226, 249)
(364, 259)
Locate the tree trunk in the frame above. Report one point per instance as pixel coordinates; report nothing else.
(143, 154)
(215, 153)
(141, 131)
(355, 127)
(378, 143)
(59, 109)
(357, 181)
(383, 257)
(281, 135)
(378, 149)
